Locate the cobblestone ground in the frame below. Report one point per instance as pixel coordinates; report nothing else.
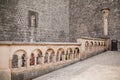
(105, 66)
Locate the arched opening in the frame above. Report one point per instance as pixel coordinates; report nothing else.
(61, 53)
(32, 59)
(86, 45)
(91, 45)
(77, 53)
(51, 53)
(101, 43)
(15, 61)
(98, 43)
(95, 44)
(69, 54)
(39, 55)
(51, 57)
(19, 59)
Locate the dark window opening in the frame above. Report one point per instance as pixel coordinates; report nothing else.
(15, 61)
(33, 19)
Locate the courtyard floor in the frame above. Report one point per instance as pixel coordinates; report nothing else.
(105, 66)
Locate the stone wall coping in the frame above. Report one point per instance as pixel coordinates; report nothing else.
(37, 43)
(89, 38)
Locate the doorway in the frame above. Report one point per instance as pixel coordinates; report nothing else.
(114, 45)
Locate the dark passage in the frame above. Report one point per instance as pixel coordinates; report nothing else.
(114, 45)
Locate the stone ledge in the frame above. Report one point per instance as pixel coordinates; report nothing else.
(37, 43)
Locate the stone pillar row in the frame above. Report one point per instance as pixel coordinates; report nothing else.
(93, 49)
(42, 58)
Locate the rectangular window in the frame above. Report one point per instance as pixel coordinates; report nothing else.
(33, 19)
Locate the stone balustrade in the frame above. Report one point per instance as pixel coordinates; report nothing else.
(27, 55)
(92, 46)
(24, 61)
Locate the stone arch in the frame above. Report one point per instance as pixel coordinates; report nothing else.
(76, 52)
(20, 52)
(38, 55)
(91, 46)
(68, 54)
(86, 44)
(98, 43)
(19, 59)
(51, 54)
(91, 43)
(32, 59)
(60, 51)
(95, 44)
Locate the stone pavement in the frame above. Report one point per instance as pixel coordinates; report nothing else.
(105, 66)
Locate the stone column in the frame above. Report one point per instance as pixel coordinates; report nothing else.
(58, 57)
(42, 60)
(63, 57)
(28, 61)
(54, 58)
(105, 12)
(19, 62)
(35, 60)
(75, 54)
(48, 58)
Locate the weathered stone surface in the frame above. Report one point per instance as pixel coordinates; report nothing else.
(58, 20)
(4, 73)
(31, 73)
(86, 18)
(53, 20)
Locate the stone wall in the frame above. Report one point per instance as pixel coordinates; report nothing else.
(34, 72)
(86, 18)
(53, 20)
(58, 20)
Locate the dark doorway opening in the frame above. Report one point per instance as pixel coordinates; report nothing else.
(114, 45)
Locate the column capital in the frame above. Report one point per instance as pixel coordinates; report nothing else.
(105, 12)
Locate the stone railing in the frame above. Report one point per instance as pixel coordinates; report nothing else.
(32, 58)
(93, 46)
(24, 61)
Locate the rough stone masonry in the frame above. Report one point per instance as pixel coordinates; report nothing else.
(57, 20)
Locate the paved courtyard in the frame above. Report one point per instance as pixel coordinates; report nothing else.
(105, 66)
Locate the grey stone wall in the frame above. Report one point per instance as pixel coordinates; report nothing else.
(58, 20)
(86, 18)
(53, 20)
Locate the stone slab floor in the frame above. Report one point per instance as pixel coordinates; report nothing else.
(105, 66)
